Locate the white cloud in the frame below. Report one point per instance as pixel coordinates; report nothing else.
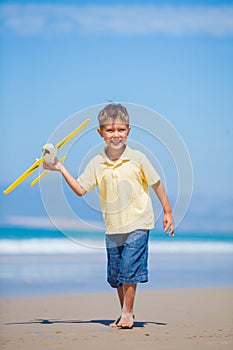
(31, 19)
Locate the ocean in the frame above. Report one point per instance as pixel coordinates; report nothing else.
(45, 262)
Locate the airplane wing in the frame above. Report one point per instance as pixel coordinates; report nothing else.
(72, 134)
(24, 176)
(38, 163)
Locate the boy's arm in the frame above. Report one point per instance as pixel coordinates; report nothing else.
(72, 182)
(168, 221)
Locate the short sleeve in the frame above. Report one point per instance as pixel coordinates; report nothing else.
(88, 178)
(149, 172)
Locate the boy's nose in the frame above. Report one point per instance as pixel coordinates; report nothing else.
(115, 133)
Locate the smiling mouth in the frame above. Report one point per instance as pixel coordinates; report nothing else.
(115, 142)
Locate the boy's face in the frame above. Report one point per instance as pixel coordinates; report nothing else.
(114, 133)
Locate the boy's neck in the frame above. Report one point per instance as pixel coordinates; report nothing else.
(114, 155)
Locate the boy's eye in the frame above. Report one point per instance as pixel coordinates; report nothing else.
(112, 130)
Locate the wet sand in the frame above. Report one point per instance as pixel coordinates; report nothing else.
(182, 319)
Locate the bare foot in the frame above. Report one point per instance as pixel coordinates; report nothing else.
(115, 323)
(126, 321)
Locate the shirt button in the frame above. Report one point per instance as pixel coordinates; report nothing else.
(115, 174)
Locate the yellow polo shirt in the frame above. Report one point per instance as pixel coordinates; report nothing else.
(123, 186)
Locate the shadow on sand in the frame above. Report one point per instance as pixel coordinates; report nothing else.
(137, 324)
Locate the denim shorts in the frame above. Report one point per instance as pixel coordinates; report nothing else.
(127, 258)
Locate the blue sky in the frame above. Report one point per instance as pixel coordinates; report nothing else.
(175, 57)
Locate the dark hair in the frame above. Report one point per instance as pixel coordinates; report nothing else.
(113, 111)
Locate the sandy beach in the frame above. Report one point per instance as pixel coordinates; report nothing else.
(171, 319)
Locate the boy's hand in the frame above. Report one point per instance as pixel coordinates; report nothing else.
(168, 224)
(55, 166)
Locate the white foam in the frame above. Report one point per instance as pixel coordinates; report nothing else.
(44, 246)
(67, 246)
(191, 247)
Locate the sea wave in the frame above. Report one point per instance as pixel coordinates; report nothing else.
(67, 246)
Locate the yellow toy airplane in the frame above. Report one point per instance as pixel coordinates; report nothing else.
(40, 161)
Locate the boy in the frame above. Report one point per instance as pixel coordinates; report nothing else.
(123, 176)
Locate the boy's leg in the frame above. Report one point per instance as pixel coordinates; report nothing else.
(129, 291)
(126, 295)
(133, 268)
(134, 252)
(120, 293)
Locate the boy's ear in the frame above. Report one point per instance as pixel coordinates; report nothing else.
(129, 128)
(100, 132)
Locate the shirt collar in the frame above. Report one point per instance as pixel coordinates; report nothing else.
(124, 157)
